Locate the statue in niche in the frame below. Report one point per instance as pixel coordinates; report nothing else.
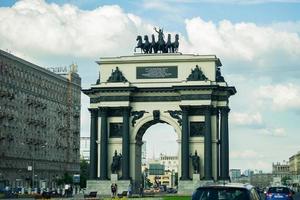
(116, 76)
(197, 75)
(116, 163)
(196, 162)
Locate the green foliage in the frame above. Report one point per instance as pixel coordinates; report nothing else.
(66, 179)
(176, 178)
(148, 183)
(177, 198)
(84, 173)
(285, 180)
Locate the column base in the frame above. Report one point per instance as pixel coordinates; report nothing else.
(196, 177)
(102, 187)
(187, 187)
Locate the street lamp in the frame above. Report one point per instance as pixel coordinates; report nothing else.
(31, 168)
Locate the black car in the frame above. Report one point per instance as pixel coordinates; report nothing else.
(226, 192)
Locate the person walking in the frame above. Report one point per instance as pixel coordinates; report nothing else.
(141, 190)
(113, 190)
(129, 190)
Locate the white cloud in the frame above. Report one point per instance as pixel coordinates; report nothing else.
(280, 97)
(253, 119)
(262, 46)
(36, 27)
(232, 1)
(245, 154)
(279, 132)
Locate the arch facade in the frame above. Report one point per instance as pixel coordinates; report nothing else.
(186, 91)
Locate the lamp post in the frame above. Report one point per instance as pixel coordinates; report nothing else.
(32, 168)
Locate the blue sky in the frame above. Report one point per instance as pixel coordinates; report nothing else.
(258, 42)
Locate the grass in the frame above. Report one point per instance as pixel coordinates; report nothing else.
(155, 198)
(177, 198)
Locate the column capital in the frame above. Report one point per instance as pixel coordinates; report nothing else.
(215, 111)
(185, 108)
(126, 108)
(93, 111)
(224, 109)
(102, 111)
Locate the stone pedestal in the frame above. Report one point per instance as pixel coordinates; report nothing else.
(114, 177)
(102, 187)
(196, 177)
(187, 187)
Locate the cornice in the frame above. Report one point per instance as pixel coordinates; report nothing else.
(33, 66)
(159, 58)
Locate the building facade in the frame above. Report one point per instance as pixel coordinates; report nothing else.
(261, 180)
(39, 123)
(234, 174)
(170, 162)
(294, 162)
(281, 169)
(85, 148)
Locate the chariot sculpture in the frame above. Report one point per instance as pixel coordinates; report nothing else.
(159, 46)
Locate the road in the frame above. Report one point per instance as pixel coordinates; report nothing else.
(297, 196)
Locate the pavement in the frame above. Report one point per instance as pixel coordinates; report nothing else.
(79, 197)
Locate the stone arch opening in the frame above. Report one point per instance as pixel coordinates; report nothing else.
(170, 161)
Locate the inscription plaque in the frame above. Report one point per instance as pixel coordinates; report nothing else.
(156, 72)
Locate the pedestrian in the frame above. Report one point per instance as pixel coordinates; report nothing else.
(113, 190)
(141, 190)
(129, 191)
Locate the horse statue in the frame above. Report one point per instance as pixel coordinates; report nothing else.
(140, 43)
(147, 45)
(153, 45)
(175, 44)
(168, 46)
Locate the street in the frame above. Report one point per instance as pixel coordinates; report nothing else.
(297, 196)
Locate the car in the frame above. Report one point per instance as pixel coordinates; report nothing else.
(226, 192)
(279, 192)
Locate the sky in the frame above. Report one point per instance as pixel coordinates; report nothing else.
(258, 42)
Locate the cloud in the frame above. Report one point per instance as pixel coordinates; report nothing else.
(280, 97)
(40, 28)
(231, 1)
(278, 132)
(247, 45)
(249, 119)
(245, 154)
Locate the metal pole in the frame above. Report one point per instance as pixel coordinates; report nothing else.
(32, 173)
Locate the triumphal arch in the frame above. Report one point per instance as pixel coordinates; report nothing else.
(134, 92)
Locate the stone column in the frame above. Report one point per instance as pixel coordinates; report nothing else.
(103, 144)
(224, 151)
(217, 113)
(185, 144)
(207, 145)
(93, 144)
(126, 145)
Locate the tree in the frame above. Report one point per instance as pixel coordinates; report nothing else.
(285, 180)
(84, 172)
